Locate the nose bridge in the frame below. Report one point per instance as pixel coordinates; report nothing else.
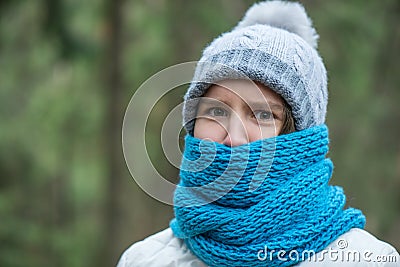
(236, 131)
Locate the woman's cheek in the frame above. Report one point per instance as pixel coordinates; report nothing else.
(209, 129)
(259, 131)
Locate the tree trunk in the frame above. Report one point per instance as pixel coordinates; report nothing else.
(113, 125)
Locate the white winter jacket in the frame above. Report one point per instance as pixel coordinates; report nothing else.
(355, 248)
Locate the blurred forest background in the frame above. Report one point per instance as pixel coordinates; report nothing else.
(69, 69)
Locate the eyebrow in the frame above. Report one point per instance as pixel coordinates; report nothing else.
(253, 105)
(212, 101)
(262, 105)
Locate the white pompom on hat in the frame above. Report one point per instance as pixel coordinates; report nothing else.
(274, 44)
(289, 16)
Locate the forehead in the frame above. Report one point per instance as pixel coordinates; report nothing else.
(243, 90)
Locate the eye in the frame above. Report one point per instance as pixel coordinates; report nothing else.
(263, 115)
(217, 112)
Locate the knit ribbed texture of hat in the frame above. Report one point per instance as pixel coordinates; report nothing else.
(274, 44)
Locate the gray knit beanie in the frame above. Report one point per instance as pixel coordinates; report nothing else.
(274, 44)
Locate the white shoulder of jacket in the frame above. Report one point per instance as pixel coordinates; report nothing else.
(162, 249)
(354, 248)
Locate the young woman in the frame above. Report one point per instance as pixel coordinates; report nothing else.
(254, 178)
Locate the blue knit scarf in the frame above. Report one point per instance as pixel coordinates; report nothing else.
(232, 203)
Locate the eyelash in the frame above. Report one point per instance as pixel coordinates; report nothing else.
(271, 114)
(211, 111)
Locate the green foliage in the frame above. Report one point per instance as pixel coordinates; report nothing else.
(54, 167)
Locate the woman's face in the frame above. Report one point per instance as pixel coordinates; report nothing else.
(236, 112)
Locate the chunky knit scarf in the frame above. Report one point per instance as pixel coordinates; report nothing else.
(232, 203)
